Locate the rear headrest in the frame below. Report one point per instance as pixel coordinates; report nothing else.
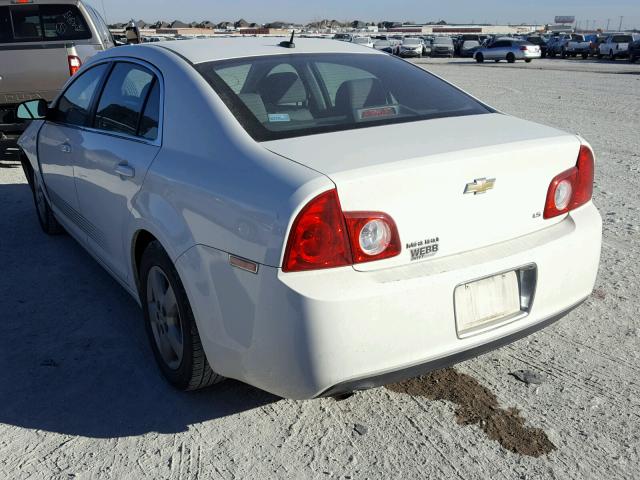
(282, 87)
(360, 93)
(255, 104)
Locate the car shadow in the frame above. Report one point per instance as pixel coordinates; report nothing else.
(73, 350)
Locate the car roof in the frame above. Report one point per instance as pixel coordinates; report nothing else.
(213, 49)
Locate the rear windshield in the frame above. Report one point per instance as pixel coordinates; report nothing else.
(443, 40)
(37, 23)
(283, 96)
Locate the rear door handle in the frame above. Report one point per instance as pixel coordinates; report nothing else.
(125, 171)
(65, 148)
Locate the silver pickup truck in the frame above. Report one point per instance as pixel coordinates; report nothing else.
(42, 43)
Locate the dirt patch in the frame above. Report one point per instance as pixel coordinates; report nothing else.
(475, 404)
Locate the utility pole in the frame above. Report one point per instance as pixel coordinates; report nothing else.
(620, 27)
(608, 20)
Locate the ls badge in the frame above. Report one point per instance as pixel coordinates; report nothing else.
(480, 185)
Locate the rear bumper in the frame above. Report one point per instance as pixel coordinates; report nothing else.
(444, 362)
(410, 53)
(441, 53)
(309, 334)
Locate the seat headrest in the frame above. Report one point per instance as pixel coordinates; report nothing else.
(360, 93)
(280, 88)
(254, 102)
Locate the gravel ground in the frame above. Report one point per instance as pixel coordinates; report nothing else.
(82, 398)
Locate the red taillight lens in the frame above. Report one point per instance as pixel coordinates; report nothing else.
(523, 48)
(322, 236)
(318, 237)
(572, 188)
(74, 64)
(373, 236)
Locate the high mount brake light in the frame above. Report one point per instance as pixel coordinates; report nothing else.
(322, 236)
(572, 188)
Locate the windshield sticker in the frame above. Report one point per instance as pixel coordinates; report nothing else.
(279, 117)
(376, 112)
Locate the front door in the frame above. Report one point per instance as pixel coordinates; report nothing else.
(58, 146)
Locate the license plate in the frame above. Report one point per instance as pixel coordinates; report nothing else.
(485, 302)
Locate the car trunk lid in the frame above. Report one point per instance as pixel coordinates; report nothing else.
(418, 173)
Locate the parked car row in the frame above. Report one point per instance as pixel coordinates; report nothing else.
(526, 47)
(610, 46)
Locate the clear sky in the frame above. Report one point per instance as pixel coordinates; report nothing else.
(304, 11)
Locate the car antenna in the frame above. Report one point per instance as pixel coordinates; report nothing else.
(289, 43)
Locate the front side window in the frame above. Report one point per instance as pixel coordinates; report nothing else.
(74, 107)
(123, 98)
(283, 96)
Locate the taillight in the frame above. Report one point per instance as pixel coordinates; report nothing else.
(572, 188)
(74, 64)
(322, 236)
(373, 236)
(318, 237)
(523, 48)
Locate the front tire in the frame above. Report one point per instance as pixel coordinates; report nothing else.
(479, 58)
(611, 55)
(46, 218)
(170, 323)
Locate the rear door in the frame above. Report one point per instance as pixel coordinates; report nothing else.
(115, 155)
(60, 140)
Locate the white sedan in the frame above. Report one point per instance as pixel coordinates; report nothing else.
(301, 219)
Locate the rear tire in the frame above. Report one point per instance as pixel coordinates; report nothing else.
(585, 56)
(47, 219)
(479, 58)
(527, 60)
(611, 55)
(170, 323)
(511, 58)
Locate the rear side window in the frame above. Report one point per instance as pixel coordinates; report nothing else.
(74, 107)
(622, 39)
(292, 95)
(124, 98)
(150, 120)
(37, 23)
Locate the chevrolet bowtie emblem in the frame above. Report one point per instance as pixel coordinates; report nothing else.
(480, 185)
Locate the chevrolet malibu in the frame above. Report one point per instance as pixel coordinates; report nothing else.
(301, 220)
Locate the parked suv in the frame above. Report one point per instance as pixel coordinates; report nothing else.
(41, 45)
(616, 46)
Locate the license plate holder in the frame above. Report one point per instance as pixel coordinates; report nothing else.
(487, 303)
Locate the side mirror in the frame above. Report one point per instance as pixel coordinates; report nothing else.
(33, 110)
